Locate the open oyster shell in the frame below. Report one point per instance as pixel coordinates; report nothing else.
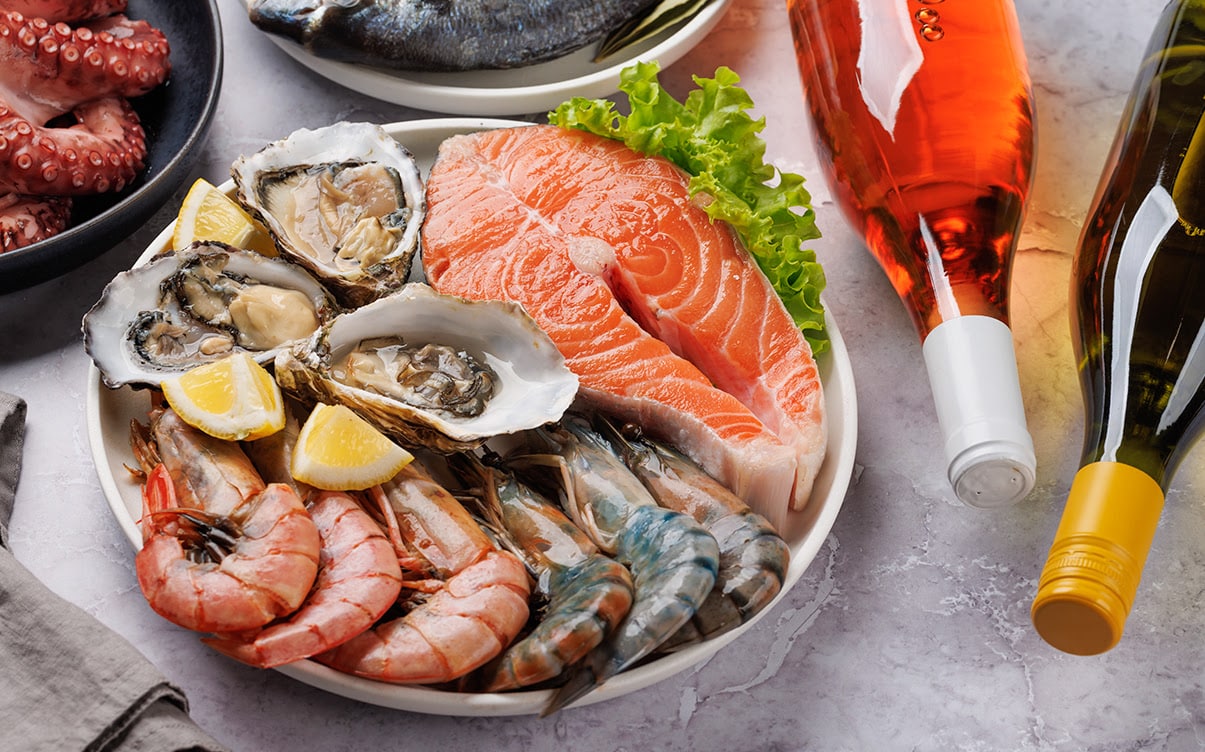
(346, 201)
(498, 372)
(184, 308)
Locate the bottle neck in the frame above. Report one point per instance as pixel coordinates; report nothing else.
(976, 390)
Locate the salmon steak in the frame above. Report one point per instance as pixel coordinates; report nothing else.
(661, 312)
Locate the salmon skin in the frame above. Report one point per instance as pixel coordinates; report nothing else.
(663, 315)
(442, 35)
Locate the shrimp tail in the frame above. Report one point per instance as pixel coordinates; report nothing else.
(580, 680)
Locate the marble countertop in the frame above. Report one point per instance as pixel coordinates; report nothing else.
(910, 630)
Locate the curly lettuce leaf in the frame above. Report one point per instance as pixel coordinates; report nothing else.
(712, 138)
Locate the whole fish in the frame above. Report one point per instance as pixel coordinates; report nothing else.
(443, 35)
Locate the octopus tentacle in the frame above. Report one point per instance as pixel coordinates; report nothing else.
(102, 152)
(49, 68)
(25, 220)
(65, 62)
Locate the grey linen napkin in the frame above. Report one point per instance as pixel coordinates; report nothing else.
(67, 682)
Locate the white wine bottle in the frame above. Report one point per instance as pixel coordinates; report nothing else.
(1138, 311)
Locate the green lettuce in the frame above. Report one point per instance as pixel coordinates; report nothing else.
(712, 138)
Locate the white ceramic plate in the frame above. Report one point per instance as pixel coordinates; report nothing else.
(109, 413)
(531, 89)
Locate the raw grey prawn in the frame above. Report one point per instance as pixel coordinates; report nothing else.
(587, 592)
(222, 551)
(672, 559)
(467, 600)
(753, 556)
(358, 580)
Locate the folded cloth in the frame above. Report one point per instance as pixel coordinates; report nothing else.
(67, 682)
(12, 439)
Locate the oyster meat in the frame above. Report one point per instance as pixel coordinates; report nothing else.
(184, 308)
(432, 370)
(345, 201)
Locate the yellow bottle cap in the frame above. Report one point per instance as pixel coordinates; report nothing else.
(1092, 573)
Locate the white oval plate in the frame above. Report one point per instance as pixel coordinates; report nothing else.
(531, 89)
(109, 413)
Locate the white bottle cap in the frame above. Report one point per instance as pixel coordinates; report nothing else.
(973, 373)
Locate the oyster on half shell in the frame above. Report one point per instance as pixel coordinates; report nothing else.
(432, 370)
(184, 308)
(345, 201)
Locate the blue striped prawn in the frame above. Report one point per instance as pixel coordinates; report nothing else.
(672, 558)
(753, 556)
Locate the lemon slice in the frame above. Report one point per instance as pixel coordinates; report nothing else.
(233, 398)
(209, 214)
(338, 450)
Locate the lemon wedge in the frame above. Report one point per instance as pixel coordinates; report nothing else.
(209, 214)
(233, 398)
(338, 450)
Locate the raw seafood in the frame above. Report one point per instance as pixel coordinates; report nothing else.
(53, 69)
(55, 11)
(27, 219)
(363, 359)
(182, 309)
(345, 201)
(444, 36)
(672, 559)
(753, 556)
(653, 306)
(587, 592)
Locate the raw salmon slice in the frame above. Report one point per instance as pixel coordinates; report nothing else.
(662, 314)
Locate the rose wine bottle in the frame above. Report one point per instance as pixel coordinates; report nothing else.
(1138, 311)
(923, 113)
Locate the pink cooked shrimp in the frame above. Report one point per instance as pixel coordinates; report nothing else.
(214, 573)
(470, 603)
(358, 580)
(222, 552)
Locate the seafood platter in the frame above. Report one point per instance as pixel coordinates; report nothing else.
(159, 83)
(534, 542)
(465, 84)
